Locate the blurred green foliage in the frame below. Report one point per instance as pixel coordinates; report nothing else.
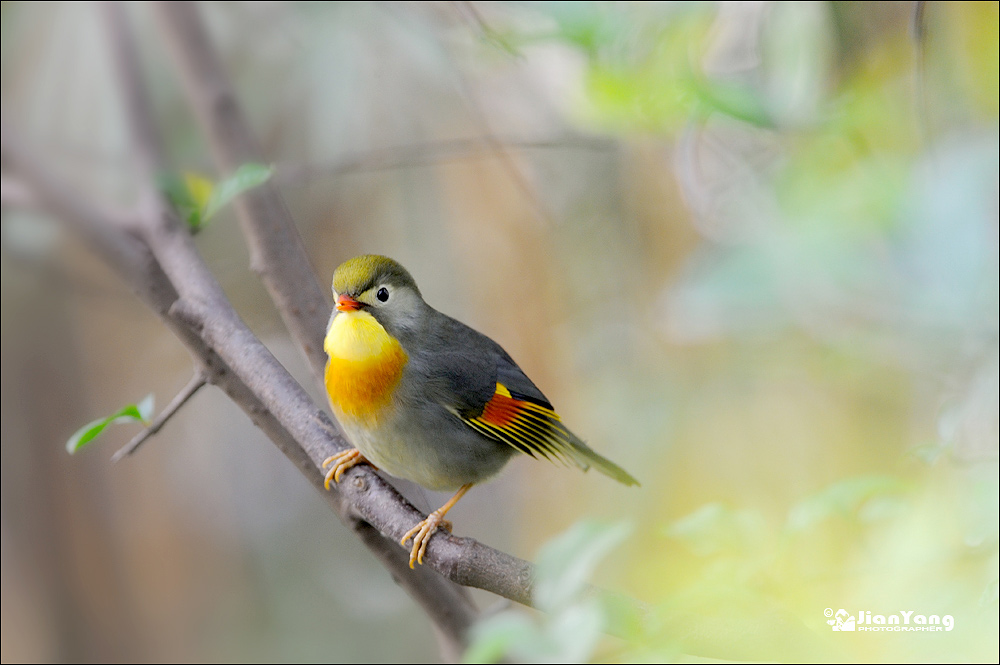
(852, 203)
(574, 619)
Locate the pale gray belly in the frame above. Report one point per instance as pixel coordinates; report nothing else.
(431, 447)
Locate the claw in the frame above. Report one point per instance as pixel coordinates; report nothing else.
(421, 534)
(341, 462)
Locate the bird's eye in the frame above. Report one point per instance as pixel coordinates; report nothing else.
(382, 294)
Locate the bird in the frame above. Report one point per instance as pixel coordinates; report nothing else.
(425, 397)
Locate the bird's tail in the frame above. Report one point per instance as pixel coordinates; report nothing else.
(585, 457)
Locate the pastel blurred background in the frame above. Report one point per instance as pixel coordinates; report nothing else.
(748, 250)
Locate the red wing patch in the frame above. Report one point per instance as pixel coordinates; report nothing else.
(525, 425)
(501, 410)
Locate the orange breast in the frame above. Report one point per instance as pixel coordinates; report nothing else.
(361, 389)
(364, 367)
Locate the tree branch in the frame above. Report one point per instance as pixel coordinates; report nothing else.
(104, 236)
(204, 306)
(277, 253)
(194, 385)
(266, 225)
(167, 273)
(130, 258)
(265, 222)
(265, 218)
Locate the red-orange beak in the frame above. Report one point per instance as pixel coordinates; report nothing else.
(346, 303)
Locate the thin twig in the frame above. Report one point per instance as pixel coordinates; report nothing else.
(194, 385)
(497, 147)
(918, 26)
(918, 32)
(479, 115)
(145, 138)
(427, 153)
(486, 30)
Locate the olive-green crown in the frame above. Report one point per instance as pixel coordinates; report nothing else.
(357, 275)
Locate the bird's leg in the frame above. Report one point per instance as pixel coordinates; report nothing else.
(341, 462)
(422, 533)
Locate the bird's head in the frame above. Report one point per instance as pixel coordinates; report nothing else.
(382, 288)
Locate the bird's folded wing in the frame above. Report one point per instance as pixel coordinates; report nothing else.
(486, 389)
(528, 424)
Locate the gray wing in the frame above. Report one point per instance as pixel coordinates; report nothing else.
(463, 367)
(477, 381)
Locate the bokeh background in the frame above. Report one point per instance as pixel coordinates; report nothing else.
(749, 251)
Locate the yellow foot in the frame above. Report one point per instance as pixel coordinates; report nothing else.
(341, 462)
(421, 535)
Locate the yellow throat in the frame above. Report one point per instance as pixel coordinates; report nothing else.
(365, 365)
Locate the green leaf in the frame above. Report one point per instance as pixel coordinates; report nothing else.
(197, 198)
(716, 528)
(928, 453)
(495, 636)
(200, 190)
(570, 635)
(567, 562)
(246, 177)
(991, 594)
(846, 498)
(575, 620)
(188, 192)
(574, 632)
(130, 413)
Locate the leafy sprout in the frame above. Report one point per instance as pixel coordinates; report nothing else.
(197, 199)
(130, 413)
